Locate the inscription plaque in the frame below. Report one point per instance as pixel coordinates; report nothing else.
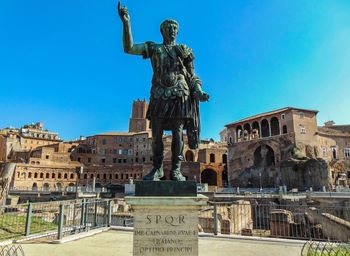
(166, 229)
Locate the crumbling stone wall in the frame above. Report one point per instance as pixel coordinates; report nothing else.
(332, 226)
(6, 174)
(232, 219)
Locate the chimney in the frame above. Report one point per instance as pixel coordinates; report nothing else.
(329, 123)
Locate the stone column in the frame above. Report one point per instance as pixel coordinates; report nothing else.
(280, 126)
(93, 183)
(260, 134)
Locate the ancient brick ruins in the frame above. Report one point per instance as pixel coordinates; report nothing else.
(286, 147)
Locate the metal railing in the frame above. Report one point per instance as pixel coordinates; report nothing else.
(273, 220)
(66, 189)
(58, 219)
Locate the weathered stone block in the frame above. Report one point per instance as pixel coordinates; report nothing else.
(166, 225)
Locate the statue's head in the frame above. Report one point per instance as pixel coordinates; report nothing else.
(169, 29)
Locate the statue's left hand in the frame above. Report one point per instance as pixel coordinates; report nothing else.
(123, 13)
(201, 96)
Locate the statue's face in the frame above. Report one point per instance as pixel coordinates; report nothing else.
(169, 32)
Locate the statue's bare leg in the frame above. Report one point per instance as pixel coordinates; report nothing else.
(177, 146)
(157, 150)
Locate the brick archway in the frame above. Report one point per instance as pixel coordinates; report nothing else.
(46, 187)
(209, 176)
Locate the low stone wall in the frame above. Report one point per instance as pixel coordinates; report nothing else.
(232, 219)
(332, 226)
(280, 223)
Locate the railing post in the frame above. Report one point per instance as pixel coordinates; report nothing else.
(105, 214)
(29, 219)
(216, 224)
(109, 213)
(86, 214)
(74, 210)
(95, 216)
(82, 212)
(60, 222)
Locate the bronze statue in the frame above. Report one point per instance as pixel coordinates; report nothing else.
(175, 93)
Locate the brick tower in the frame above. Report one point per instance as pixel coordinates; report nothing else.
(138, 121)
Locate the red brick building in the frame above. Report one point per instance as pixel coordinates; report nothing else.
(112, 158)
(286, 147)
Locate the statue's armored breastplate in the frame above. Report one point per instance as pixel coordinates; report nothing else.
(168, 80)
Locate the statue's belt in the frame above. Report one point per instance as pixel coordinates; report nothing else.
(169, 89)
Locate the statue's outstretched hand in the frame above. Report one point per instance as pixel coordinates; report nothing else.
(123, 13)
(201, 96)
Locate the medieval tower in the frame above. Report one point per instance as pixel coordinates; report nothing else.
(138, 121)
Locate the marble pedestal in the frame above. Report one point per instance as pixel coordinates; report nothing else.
(166, 225)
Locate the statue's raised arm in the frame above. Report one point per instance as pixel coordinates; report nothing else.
(128, 44)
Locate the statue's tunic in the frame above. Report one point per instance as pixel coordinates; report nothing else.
(170, 93)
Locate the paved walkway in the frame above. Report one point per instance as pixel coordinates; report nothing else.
(120, 243)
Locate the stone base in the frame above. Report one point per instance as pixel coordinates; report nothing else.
(166, 188)
(166, 225)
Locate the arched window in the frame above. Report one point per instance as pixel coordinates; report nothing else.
(212, 158)
(116, 176)
(284, 129)
(47, 175)
(29, 174)
(275, 126)
(104, 176)
(224, 158)
(35, 176)
(85, 176)
(41, 175)
(91, 175)
(59, 176)
(265, 128)
(72, 175)
(46, 187)
(256, 130)
(66, 176)
(53, 175)
(246, 132)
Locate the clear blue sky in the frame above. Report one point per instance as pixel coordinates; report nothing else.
(62, 62)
